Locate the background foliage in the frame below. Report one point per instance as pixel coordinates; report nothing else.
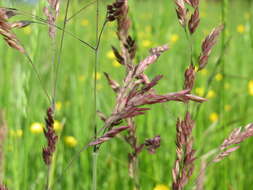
(23, 102)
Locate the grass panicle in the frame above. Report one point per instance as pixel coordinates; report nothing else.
(136, 90)
(184, 164)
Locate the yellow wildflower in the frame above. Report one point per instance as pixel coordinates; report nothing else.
(116, 63)
(110, 24)
(10, 148)
(61, 17)
(218, 77)
(70, 141)
(141, 34)
(58, 106)
(19, 133)
(67, 103)
(250, 87)
(174, 38)
(213, 117)
(81, 78)
(36, 128)
(196, 68)
(16, 133)
(227, 107)
(110, 55)
(204, 72)
(57, 126)
(205, 32)
(146, 43)
(12, 132)
(148, 29)
(146, 16)
(85, 22)
(240, 28)
(226, 85)
(211, 94)
(113, 35)
(98, 76)
(161, 187)
(247, 16)
(202, 14)
(27, 30)
(200, 91)
(99, 86)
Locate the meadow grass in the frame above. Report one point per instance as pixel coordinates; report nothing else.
(155, 23)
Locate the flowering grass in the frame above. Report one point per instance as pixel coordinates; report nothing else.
(156, 23)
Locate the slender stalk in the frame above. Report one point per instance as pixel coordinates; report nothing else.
(94, 155)
(94, 170)
(100, 34)
(86, 146)
(133, 162)
(224, 11)
(54, 50)
(38, 76)
(40, 20)
(80, 10)
(52, 170)
(60, 51)
(48, 178)
(190, 43)
(136, 174)
(55, 80)
(96, 53)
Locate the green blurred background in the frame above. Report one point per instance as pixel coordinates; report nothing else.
(24, 104)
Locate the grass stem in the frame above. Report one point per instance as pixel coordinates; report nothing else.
(95, 150)
(94, 170)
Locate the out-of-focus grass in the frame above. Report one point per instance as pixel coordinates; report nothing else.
(155, 23)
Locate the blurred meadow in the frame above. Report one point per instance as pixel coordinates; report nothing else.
(23, 102)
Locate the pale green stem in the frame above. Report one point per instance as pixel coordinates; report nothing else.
(94, 170)
(95, 151)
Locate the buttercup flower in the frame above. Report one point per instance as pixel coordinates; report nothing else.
(99, 86)
(219, 77)
(148, 29)
(146, 43)
(57, 126)
(141, 35)
(85, 22)
(19, 132)
(58, 106)
(226, 85)
(240, 28)
(247, 15)
(70, 141)
(16, 133)
(110, 55)
(174, 38)
(27, 30)
(36, 128)
(202, 14)
(227, 107)
(213, 117)
(203, 72)
(81, 78)
(211, 94)
(116, 63)
(161, 187)
(200, 91)
(250, 87)
(98, 76)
